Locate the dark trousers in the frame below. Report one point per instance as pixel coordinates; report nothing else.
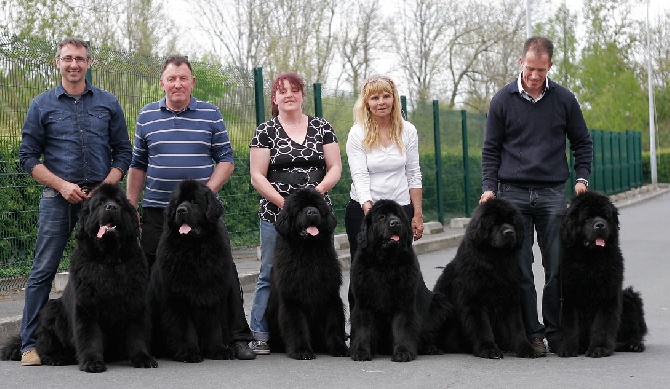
(541, 210)
(152, 228)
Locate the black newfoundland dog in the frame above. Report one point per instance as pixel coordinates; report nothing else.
(188, 291)
(392, 311)
(102, 314)
(598, 318)
(305, 311)
(483, 284)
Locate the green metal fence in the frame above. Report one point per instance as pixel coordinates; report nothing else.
(450, 141)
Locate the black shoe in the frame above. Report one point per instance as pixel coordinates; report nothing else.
(242, 350)
(538, 344)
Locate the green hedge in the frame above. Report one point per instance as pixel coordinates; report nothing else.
(662, 166)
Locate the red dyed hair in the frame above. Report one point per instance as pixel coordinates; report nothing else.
(278, 84)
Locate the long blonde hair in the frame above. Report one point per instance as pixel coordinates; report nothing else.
(373, 86)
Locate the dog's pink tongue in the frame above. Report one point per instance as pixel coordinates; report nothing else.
(395, 238)
(312, 230)
(184, 229)
(600, 242)
(102, 230)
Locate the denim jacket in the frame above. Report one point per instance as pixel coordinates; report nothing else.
(78, 141)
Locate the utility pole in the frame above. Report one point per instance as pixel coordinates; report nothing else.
(529, 29)
(652, 126)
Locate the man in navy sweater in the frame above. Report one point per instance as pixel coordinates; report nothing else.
(524, 161)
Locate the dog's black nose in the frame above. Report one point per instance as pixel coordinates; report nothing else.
(394, 222)
(508, 232)
(182, 209)
(599, 225)
(111, 207)
(311, 211)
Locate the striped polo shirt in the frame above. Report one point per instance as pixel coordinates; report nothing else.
(173, 146)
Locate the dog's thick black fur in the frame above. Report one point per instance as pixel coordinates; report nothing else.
(597, 317)
(102, 315)
(188, 290)
(483, 284)
(392, 310)
(305, 312)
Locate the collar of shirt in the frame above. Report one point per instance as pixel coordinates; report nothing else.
(61, 91)
(192, 105)
(527, 95)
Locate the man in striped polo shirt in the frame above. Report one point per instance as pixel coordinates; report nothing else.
(178, 138)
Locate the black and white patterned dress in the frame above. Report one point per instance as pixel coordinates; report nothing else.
(289, 156)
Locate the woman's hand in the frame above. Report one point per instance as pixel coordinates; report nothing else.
(417, 226)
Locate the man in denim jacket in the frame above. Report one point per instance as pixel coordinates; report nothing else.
(74, 138)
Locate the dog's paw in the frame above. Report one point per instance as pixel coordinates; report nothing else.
(302, 354)
(361, 355)
(598, 352)
(631, 347)
(93, 366)
(402, 354)
(57, 359)
(340, 350)
(567, 352)
(431, 350)
(144, 360)
(221, 353)
(489, 351)
(188, 357)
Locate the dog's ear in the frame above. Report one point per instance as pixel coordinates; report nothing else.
(84, 214)
(214, 208)
(569, 227)
(283, 224)
(331, 222)
(326, 211)
(362, 237)
(476, 230)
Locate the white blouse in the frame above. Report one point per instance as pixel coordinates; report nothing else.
(385, 172)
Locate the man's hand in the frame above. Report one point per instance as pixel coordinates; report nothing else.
(486, 196)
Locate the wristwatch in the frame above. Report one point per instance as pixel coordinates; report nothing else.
(583, 181)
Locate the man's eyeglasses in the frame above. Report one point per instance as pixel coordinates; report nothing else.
(77, 59)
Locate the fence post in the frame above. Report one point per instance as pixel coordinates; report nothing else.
(438, 162)
(89, 72)
(318, 103)
(607, 162)
(466, 161)
(259, 105)
(638, 158)
(403, 106)
(630, 135)
(616, 163)
(623, 155)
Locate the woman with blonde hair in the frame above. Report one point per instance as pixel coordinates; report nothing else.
(383, 155)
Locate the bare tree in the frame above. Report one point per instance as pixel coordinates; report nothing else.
(280, 35)
(361, 40)
(419, 42)
(239, 30)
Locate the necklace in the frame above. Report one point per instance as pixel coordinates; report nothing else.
(292, 125)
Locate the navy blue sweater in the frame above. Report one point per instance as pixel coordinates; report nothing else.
(525, 141)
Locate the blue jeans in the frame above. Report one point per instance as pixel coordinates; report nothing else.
(56, 221)
(541, 210)
(259, 323)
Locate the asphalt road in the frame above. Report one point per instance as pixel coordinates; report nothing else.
(644, 240)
